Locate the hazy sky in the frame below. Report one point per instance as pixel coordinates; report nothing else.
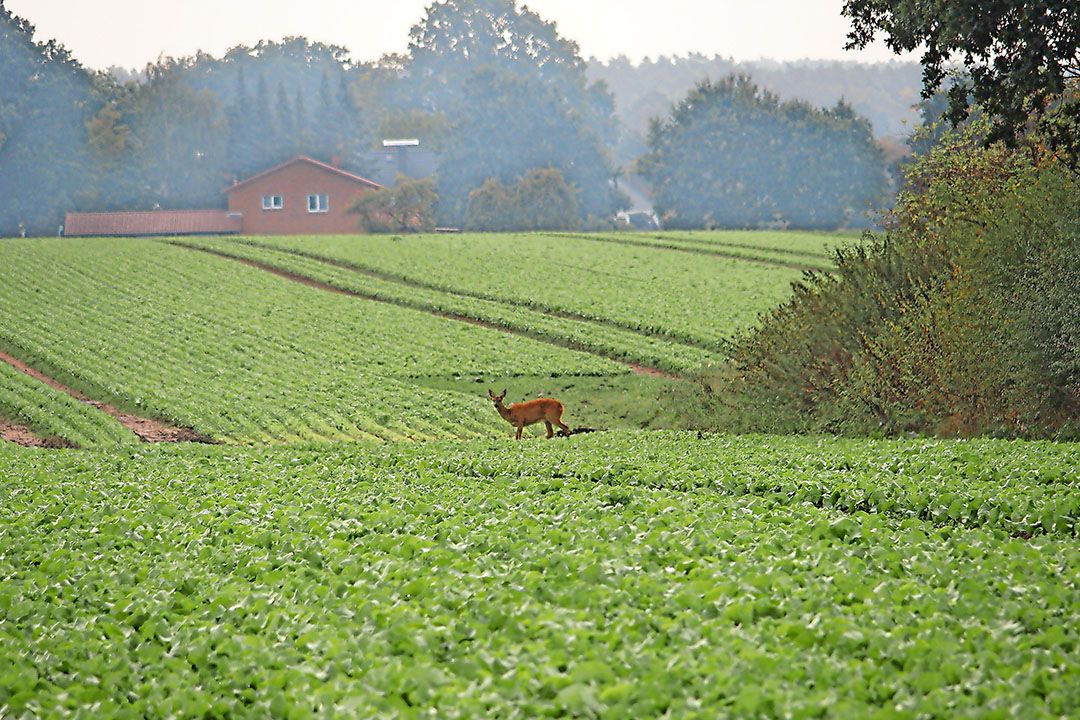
(131, 33)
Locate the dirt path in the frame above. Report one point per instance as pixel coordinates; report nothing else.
(461, 292)
(310, 282)
(147, 429)
(759, 260)
(22, 435)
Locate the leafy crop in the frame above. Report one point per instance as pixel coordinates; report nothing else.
(604, 576)
(689, 298)
(247, 357)
(55, 414)
(599, 338)
(798, 250)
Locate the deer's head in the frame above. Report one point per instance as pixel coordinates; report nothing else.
(497, 399)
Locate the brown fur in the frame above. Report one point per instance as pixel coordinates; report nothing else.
(529, 413)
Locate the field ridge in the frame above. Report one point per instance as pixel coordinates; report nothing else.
(636, 367)
(145, 428)
(534, 306)
(697, 249)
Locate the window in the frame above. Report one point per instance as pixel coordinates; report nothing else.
(273, 202)
(318, 203)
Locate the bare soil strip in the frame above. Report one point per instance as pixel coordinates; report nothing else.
(412, 282)
(22, 435)
(310, 282)
(147, 429)
(694, 250)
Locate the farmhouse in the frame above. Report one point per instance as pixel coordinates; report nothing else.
(299, 197)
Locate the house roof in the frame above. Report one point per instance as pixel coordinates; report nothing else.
(154, 222)
(310, 161)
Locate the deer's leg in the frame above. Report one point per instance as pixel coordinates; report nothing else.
(563, 427)
(519, 428)
(550, 431)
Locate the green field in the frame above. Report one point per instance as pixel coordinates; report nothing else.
(616, 575)
(384, 549)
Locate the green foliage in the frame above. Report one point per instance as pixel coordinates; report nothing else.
(651, 290)
(746, 576)
(491, 208)
(596, 337)
(45, 99)
(540, 200)
(51, 413)
(244, 356)
(1022, 59)
(733, 155)
(507, 126)
(408, 206)
(961, 319)
(882, 92)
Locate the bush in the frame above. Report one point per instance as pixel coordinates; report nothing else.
(541, 200)
(963, 318)
(735, 155)
(409, 206)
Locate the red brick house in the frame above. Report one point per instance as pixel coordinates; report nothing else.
(299, 197)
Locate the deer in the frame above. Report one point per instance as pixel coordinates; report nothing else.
(529, 413)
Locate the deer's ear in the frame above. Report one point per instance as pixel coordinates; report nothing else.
(503, 393)
(491, 394)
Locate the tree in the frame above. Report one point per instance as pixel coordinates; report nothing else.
(547, 201)
(285, 123)
(734, 155)
(409, 206)
(541, 200)
(508, 126)
(46, 100)
(516, 97)
(491, 208)
(1020, 58)
(181, 135)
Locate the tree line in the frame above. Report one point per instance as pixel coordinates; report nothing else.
(523, 131)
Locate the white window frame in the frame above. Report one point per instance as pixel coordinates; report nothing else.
(273, 202)
(318, 203)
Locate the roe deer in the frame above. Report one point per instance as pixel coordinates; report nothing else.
(527, 413)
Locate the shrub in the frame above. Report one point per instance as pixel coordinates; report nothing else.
(541, 200)
(408, 206)
(962, 318)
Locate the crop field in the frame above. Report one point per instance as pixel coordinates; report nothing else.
(244, 356)
(315, 561)
(652, 290)
(630, 575)
(200, 333)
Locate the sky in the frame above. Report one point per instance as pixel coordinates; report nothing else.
(131, 33)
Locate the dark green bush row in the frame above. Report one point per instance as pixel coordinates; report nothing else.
(962, 318)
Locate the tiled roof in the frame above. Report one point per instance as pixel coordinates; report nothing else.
(310, 161)
(155, 222)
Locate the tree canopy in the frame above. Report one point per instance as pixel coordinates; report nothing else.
(45, 99)
(734, 155)
(1019, 57)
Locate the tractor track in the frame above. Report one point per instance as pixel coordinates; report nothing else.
(759, 260)
(320, 285)
(146, 429)
(412, 282)
(23, 435)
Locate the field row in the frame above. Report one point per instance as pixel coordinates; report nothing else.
(378, 582)
(243, 356)
(51, 413)
(798, 243)
(612, 342)
(740, 251)
(1022, 489)
(692, 299)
